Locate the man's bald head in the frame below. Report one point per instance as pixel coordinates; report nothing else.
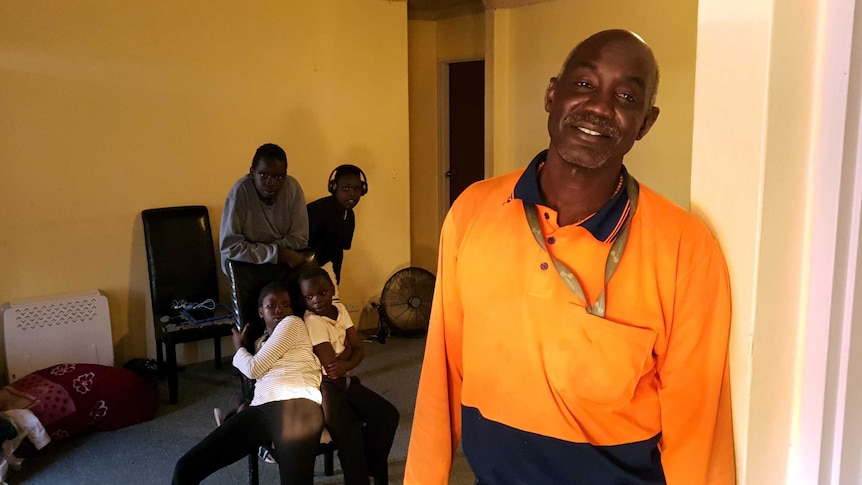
(599, 39)
(603, 100)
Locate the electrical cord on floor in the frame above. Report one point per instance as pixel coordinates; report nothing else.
(208, 304)
(382, 327)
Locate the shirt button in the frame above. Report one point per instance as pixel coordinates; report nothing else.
(552, 240)
(544, 266)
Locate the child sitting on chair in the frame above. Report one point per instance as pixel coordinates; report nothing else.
(286, 405)
(272, 315)
(361, 421)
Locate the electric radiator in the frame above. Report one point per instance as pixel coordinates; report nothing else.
(42, 332)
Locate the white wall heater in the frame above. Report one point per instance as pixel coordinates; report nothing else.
(38, 333)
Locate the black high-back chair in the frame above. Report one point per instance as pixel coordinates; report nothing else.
(246, 281)
(182, 266)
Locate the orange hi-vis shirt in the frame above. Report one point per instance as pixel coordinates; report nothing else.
(543, 392)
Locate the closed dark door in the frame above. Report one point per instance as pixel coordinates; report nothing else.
(466, 125)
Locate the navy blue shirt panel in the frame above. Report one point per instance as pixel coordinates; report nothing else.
(502, 455)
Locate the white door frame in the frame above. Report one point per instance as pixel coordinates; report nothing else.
(819, 450)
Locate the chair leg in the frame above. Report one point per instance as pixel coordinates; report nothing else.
(217, 351)
(160, 359)
(329, 463)
(253, 478)
(173, 382)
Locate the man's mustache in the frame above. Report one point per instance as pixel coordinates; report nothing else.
(604, 125)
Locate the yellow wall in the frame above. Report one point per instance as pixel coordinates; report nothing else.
(536, 39)
(461, 38)
(430, 44)
(108, 109)
(523, 47)
(425, 177)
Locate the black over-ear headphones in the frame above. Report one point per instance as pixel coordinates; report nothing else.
(333, 177)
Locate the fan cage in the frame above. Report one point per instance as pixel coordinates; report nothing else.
(405, 302)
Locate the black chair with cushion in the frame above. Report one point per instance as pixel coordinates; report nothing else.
(246, 281)
(182, 267)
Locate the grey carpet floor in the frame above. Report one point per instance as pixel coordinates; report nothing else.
(146, 453)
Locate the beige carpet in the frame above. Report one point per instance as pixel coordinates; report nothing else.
(145, 454)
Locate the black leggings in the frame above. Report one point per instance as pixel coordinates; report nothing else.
(293, 425)
(362, 450)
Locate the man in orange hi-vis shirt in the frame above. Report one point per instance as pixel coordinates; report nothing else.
(580, 322)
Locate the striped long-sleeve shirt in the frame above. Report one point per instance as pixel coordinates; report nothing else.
(285, 367)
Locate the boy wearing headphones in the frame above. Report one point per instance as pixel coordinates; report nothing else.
(331, 220)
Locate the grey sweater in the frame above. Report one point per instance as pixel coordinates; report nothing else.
(255, 232)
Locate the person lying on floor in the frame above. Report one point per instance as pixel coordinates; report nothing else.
(362, 450)
(285, 409)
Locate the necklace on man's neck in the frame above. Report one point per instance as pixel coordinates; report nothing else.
(616, 191)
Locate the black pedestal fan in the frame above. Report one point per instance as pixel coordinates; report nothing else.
(405, 304)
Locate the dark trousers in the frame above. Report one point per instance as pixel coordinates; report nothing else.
(293, 425)
(362, 450)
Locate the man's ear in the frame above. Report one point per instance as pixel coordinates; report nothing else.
(260, 312)
(649, 120)
(549, 94)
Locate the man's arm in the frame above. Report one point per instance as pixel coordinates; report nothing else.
(349, 229)
(694, 387)
(287, 335)
(232, 243)
(297, 234)
(316, 216)
(437, 419)
(348, 360)
(338, 366)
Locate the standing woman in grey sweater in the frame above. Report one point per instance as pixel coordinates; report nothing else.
(265, 219)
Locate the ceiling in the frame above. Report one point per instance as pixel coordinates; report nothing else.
(437, 9)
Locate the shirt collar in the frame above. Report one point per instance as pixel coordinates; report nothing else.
(603, 225)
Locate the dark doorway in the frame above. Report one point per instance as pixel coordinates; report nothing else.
(466, 125)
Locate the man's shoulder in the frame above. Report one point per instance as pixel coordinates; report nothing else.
(291, 194)
(289, 324)
(311, 319)
(483, 198)
(659, 203)
(241, 187)
(663, 207)
(668, 220)
(344, 318)
(495, 190)
(321, 203)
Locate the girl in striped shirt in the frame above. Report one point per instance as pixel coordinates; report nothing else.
(286, 406)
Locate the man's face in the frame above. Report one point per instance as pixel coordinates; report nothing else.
(348, 191)
(274, 308)
(600, 104)
(268, 175)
